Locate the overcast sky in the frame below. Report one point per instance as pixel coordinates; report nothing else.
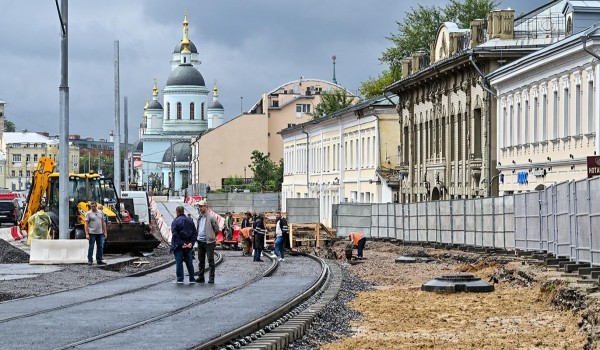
(248, 46)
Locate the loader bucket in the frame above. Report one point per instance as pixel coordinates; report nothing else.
(124, 238)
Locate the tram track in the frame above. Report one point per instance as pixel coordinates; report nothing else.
(218, 261)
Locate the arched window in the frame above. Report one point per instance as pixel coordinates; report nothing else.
(202, 111)
(168, 110)
(178, 110)
(192, 111)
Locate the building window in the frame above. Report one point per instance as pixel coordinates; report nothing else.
(566, 112)
(303, 108)
(555, 115)
(35, 157)
(545, 117)
(20, 173)
(192, 111)
(526, 117)
(590, 108)
(168, 110)
(202, 111)
(16, 157)
(518, 124)
(178, 110)
(578, 109)
(12, 173)
(28, 173)
(28, 157)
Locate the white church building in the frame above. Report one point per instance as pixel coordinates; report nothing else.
(167, 128)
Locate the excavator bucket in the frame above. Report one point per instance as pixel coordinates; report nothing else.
(124, 238)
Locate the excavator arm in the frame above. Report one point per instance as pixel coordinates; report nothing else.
(39, 187)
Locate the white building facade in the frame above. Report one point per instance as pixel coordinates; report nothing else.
(547, 108)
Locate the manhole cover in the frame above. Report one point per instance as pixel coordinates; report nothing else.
(409, 259)
(457, 283)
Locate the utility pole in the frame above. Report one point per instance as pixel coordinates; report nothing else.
(63, 144)
(241, 104)
(117, 141)
(126, 141)
(172, 177)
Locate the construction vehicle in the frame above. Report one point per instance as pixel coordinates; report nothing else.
(83, 189)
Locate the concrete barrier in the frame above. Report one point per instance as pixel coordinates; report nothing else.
(12, 233)
(58, 251)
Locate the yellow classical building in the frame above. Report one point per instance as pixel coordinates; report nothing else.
(348, 156)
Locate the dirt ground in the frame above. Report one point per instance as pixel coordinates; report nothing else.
(532, 307)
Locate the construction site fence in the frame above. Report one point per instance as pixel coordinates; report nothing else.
(558, 220)
(243, 202)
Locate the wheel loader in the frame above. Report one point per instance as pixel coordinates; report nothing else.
(83, 189)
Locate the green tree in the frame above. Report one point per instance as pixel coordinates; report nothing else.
(268, 176)
(417, 32)
(332, 101)
(9, 126)
(374, 86)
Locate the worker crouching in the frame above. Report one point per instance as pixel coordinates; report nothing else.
(358, 240)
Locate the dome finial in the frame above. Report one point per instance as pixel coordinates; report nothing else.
(155, 89)
(185, 41)
(215, 90)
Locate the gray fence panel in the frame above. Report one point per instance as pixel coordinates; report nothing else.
(533, 221)
(545, 209)
(353, 217)
(413, 215)
(520, 221)
(334, 215)
(508, 203)
(573, 222)
(432, 220)
(445, 222)
(470, 222)
(241, 202)
(217, 202)
(594, 185)
(399, 217)
(488, 223)
(458, 221)
(379, 220)
(422, 221)
(302, 210)
(391, 220)
(562, 219)
(266, 202)
(582, 220)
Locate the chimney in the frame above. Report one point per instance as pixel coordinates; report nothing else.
(416, 61)
(406, 66)
(501, 24)
(477, 32)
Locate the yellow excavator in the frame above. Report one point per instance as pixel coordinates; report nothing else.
(83, 189)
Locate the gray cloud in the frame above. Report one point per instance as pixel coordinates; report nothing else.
(250, 47)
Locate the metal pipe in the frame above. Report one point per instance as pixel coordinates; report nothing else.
(63, 203)
(489, 121)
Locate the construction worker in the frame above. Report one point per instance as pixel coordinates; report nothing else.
(246, 235)
(258, 227)
(358, 239)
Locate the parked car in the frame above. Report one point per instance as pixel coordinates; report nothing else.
(10, 211)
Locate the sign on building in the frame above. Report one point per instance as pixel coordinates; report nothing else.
(593, 166)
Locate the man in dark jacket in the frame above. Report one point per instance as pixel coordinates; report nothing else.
(258, 227)
(183, 237)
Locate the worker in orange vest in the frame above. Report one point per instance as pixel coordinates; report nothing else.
(359, 240)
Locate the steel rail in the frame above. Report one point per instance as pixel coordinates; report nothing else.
(218, 261)
(272, 268)
(267, 319)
